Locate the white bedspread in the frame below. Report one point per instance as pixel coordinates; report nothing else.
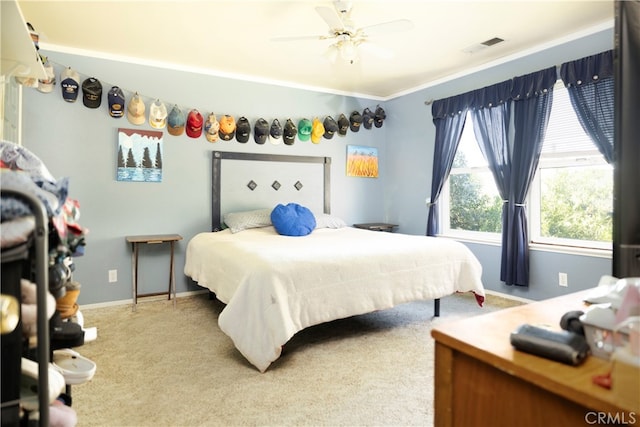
(275, 286)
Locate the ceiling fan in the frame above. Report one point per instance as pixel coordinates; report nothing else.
(347, 38)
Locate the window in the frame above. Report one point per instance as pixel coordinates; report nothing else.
(471, 204)
(571, 198)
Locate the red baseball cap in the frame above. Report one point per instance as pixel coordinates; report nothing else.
(194, 124)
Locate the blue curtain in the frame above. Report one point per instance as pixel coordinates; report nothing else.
(491, 116)
(529, 98)
(449, 116)
(532, 96)
(589, 82)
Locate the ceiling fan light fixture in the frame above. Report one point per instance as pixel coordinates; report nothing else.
(348, 51)
(332, 53)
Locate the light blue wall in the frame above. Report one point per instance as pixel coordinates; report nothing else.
(80, 143)
(411, 136)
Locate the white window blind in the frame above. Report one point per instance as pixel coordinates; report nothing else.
(564, 132)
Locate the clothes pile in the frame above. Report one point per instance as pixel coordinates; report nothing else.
(23, 172)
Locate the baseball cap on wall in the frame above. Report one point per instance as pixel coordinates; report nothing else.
(211, 128)
(379, 116)
(135, 110)
(243, 130)
(355, 120)
(289, 133)
(330, 127)
(46, 85)
(227, 128)
(91, 92)
(275, 132)
(70, 84)
(304, 129)
(367, 118)
(317, 130)
(175, 121)
(343, 125)
(194, 124)
(158, 114)
(115, 99)
(261, 131)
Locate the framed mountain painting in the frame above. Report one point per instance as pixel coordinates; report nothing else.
(139, 155)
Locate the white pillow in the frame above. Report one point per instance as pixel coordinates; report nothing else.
(324, 220)
(238, 221)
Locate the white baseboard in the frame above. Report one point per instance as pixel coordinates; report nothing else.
(129, 301)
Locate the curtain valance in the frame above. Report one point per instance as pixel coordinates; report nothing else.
(493, 95)
(587, 70)
(521, 87)
(488, 96)
(449, 107)
(534, 84)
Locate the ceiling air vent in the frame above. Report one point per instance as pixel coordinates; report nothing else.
(485, 44)
(492, 41)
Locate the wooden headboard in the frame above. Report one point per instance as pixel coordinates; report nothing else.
(264, 180)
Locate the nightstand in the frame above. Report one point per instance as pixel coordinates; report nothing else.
(376, 226)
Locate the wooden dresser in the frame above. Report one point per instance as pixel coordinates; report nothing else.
(481, 380)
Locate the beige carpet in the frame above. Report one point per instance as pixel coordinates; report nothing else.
(162, 366)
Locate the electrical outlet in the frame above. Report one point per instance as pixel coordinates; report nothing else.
(563, 280)
(113, 276)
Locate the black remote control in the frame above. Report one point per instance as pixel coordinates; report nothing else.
(562, 346)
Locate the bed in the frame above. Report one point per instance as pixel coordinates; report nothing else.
(275, 285)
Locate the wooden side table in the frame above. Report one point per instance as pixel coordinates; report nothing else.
(376, 226)
(152, 239)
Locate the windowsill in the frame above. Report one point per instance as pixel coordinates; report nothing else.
(572, 250)
(470, 239)
(568, 250)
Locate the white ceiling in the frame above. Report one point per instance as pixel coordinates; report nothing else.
(234, 38)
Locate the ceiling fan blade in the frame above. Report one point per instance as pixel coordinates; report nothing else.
(376, 50)
(331, 17)
(296, 38)
(387, 27)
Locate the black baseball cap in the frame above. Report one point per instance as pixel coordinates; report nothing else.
(243, 130)
(343, 125)
(91, 92)
(330, 127)
(275, 132)
(261, 131)
(290, 132)
(355, 120)
(367, 118)
(379, 117)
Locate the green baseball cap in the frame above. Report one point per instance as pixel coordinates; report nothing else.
(304, 129)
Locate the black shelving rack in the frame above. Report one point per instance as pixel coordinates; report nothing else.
(37, 254)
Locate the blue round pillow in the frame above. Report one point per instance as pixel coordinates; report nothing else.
(293, 220)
